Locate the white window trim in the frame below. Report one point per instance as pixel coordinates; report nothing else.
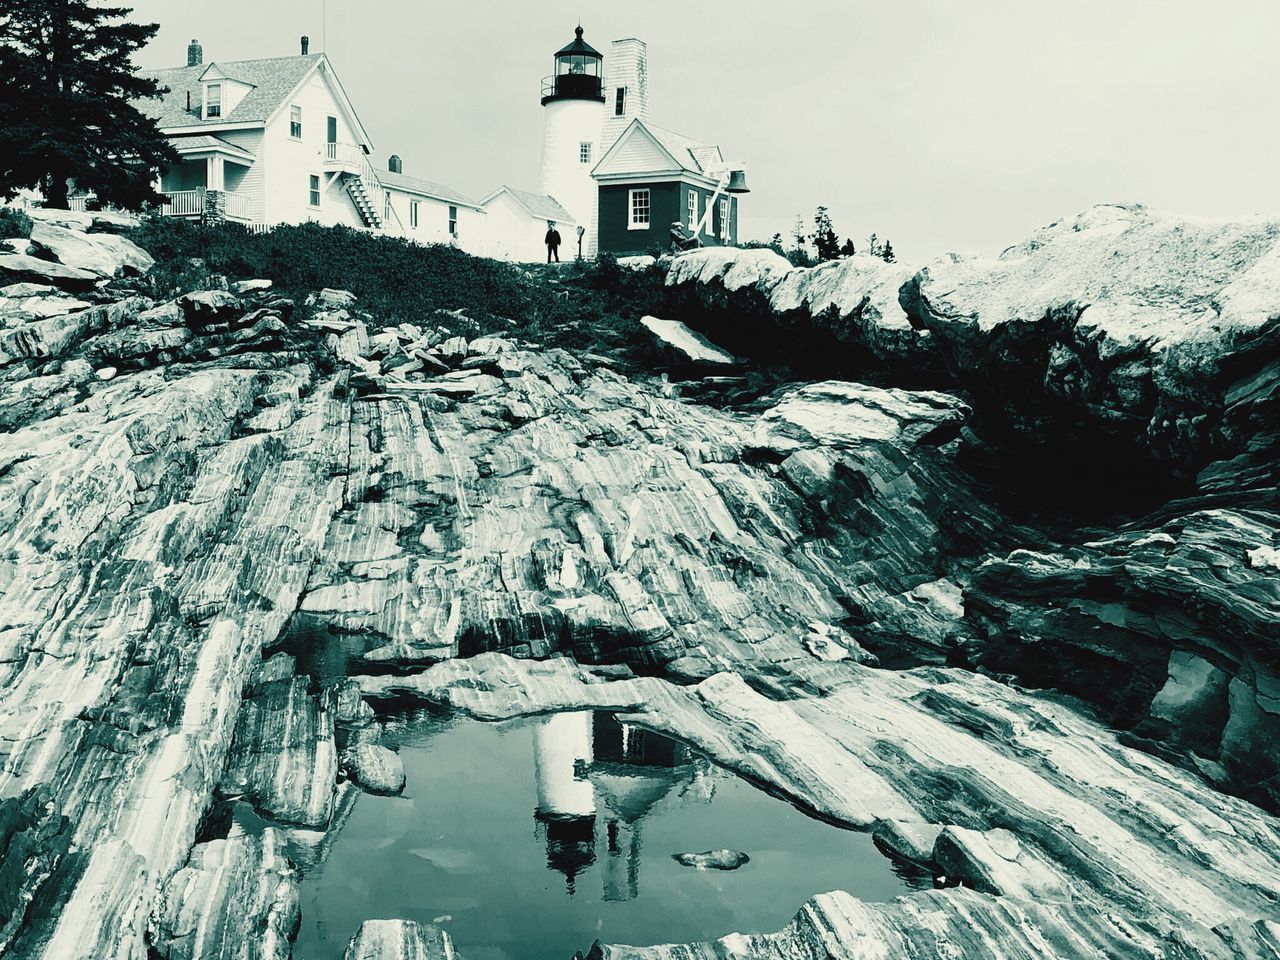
(386, 205)
(207, 88)
(616, 112)
(726, 211)
(632, 224)
(691, 209)
(584, 147)
(413, 214)
(293, 107)
(319, 190)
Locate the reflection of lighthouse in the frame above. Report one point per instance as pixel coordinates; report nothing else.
(566, 811)
(634, 769)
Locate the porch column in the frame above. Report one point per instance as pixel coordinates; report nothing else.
(213, 178)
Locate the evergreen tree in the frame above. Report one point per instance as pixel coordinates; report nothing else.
(824, 235)
(887, 252)
(67, 86)
(775, 243)
(848, 250)
(798, 235)
(873, 245)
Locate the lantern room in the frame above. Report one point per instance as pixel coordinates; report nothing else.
(579, 73)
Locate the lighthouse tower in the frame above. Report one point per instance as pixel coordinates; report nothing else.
(573, 103)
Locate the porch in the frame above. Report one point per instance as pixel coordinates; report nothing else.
(210, 181)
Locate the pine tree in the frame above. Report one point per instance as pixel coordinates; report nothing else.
(824, 235)
(848, 250)
(798, 235)
(873, 245)
(775, 243)
(67, 92)
(887, 253)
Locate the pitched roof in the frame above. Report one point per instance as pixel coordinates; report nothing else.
(202, 142)
(427, 188)
(692, 155)
(272, 79)
(538, 204)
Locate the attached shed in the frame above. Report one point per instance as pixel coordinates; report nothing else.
(517, 226)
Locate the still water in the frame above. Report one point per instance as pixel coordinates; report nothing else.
(529, 839)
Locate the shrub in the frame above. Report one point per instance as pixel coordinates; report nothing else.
(594, 306)
(14, 223)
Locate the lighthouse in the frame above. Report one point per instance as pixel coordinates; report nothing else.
(573, 104)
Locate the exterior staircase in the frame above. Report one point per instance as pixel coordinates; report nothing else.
(366, 195)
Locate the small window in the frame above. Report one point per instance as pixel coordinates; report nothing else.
(724, 218)
(315, 191)
(584, 152)
(413, 214)
(639, 202)
(295, 122)
(453, 220)
(386, 205)
(693, 210)
(620, 102)
(213, 100)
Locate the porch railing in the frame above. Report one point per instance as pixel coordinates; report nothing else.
(184, 203)
(347, 154)
(237, 206)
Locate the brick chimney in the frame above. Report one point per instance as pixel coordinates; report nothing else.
(195, 54)
(394, 165)
(306, 43)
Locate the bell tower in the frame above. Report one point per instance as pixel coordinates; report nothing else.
(573, 104)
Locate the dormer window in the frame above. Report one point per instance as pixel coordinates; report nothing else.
(295, 122)
(212, 100)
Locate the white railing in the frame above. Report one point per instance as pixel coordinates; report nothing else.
(184, 203)
(347, 154)
(79, 204)
(237, 206)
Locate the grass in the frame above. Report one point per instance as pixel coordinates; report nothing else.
(593, 306)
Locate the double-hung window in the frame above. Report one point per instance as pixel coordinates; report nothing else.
(413, 214)
(315, 190)
(295, 122)
(724, 218)
(584, 152)
(386, 206)
(693, 210)
(638, 201)
(453, 220)
(213, 101)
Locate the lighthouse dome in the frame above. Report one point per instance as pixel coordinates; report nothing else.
(578, 73)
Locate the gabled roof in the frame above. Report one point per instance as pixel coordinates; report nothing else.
(273, 80)
(667, 152)
(425, 188)
(539, 205)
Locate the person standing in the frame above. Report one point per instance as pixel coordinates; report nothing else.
(552, 240)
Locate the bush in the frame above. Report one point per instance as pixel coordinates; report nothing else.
(593, 306)
(14, 223)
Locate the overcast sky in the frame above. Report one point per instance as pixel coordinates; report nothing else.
(940, 124)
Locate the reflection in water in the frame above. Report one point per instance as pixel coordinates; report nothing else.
(610, 803)
(591, 765)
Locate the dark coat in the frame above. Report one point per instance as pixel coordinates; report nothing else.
(552, 239)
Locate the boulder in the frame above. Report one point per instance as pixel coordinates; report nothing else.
(399, 940)
(712, 859)
(241, 287)
(330, 299)
(16, 267)
(687, 345)
(374, 767)
(103, 254)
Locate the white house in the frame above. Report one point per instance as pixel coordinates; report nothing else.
(517, 223)
(274, 141)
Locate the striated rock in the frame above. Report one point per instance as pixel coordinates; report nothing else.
(687, 345)
(329, 299)
(712, 859)
(17, 267)
(399, 940)
(102, 254)
(375, 768)
(283, 759)
(242, 287)
(236, 899)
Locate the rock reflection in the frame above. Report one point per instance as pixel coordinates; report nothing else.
(591, 767)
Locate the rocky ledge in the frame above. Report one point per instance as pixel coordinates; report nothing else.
(819, 592)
